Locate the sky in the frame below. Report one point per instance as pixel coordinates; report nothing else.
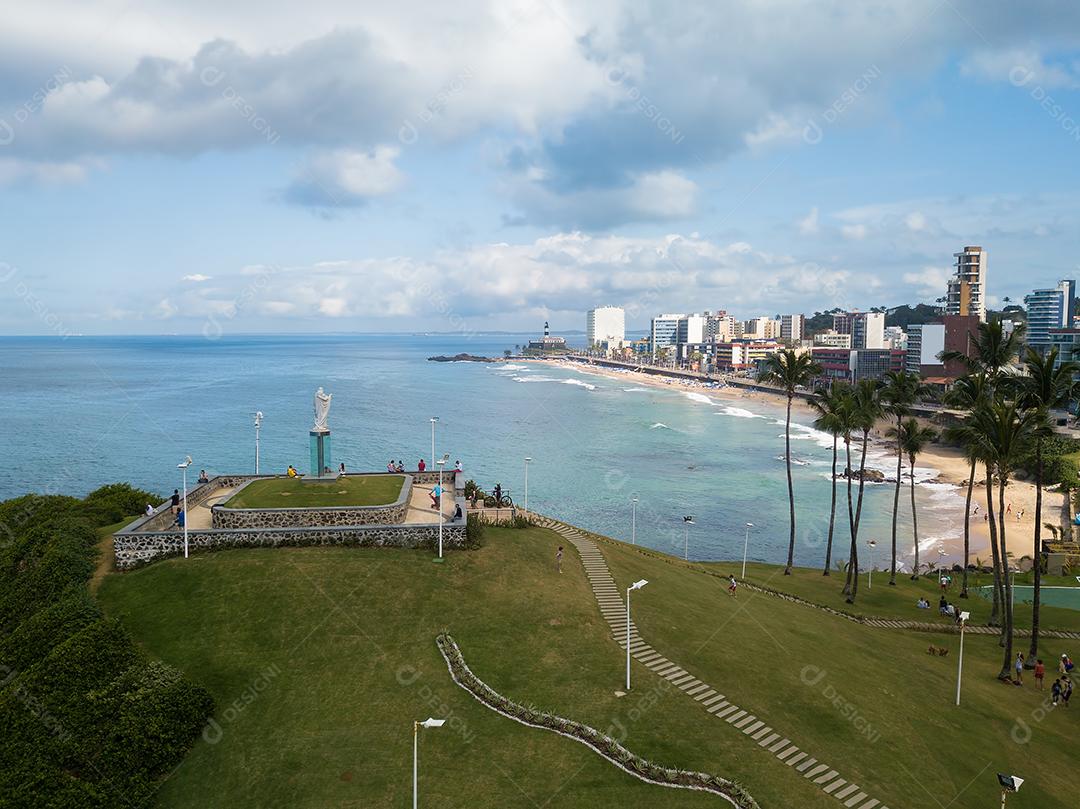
(208, 167)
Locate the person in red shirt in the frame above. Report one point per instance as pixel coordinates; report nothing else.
(421, 466)
(1040, 672)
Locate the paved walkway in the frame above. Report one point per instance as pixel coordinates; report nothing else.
(199, 518)
(613, 609)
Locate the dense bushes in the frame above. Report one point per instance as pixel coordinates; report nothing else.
(88, 720)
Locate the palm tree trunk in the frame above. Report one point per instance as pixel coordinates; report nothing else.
(967, 529)
(858, 517)
(1006, 666)
(850, 511)
(832, 510)
(896, 500)
(995, 611)
(914, 517)
(790, 489)
(1036, 556)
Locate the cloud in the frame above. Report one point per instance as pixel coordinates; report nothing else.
(809, 224)
(196, 278)
(856, 232)
(929, 282)
(346, 178)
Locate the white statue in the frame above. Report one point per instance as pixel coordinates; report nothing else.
(322, 410)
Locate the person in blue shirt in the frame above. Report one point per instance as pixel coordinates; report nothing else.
(436, 495)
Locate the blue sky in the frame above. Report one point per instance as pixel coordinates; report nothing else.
(353, 166)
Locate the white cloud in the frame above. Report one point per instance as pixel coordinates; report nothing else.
(929, 281)
(196, 278)
(915, 221)
(855, 232)
(809, 224)
(346, 178)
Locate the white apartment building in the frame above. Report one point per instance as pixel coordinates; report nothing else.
(792, 327)
(895, 337)
(832, 339)
(605, 326)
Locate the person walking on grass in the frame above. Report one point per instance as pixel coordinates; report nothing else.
(1019, 666)
(1040, 673)
(1055, 692)
(558, 559)
(1066, 690)
(732, 584)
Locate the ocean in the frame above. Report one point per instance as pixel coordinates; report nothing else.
(79, 412)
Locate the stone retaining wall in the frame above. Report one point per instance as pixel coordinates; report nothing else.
(163, 518)
(388, 514)
(134, 550)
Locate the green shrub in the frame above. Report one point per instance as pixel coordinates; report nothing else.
(474, 531)
(38, 635)
(112, 503)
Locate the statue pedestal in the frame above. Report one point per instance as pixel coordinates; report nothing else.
(322, 466)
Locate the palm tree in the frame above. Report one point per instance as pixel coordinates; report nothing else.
(991, 352)
(865, 411)
(789, 370)
(1048, 385)
(965, 394)
(1003, 430)
(832, 404)
(900, 392)
(912, 439)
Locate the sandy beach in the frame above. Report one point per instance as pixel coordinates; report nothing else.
(939, 464)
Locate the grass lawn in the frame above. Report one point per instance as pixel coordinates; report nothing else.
(320, 658)
(365, 490)
(881, 600)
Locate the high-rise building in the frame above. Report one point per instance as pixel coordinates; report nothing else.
(664, 332)
(927, 341)
(692, 329)
(1049, 309)
(792, 327)
(967, 288)
(605, 326)
(867, 329)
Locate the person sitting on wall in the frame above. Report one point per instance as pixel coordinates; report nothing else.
(181, 518)
(400, 466)
(420, 465)
(292, 471)
(341, 469)
(457, 512)
(390, 466)
(202, 476)
(457, 466)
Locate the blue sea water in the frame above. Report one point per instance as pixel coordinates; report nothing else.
(82, 411)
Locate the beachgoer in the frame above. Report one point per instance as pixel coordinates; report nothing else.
(1019, 666)
(558, 559)
(175, 500)
(732, 584)
(1009, 509)
(976, 509)
(1040, 673)
(420, 465)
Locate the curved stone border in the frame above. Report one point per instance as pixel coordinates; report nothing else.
(612, 607)
(596, 741)
(866, 620)
(234, 517)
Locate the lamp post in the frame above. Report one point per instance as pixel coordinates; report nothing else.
(872, 545)
(183, 466)
(687, 522)
(635, 586)
(441, 463)
(527, 460)
(1009, 783)
(258, 424)
(960, 657)
(427, 723)
(746, 544)
(633, 520)
(433, 421)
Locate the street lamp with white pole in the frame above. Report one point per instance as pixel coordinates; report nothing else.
(433, 420)
(1009, 783)
(635, 586)
(960, 657)
(441, 463)
(183, 468)
(687, 522)
(427, 723)
(258, 424)
(746, 544)
(527, 460)
(872, 545)
(633, 520)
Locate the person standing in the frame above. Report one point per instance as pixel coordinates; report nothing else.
(1019, 666)
(175, 500)
(420, 465)
(732, 584)
(558, 559)
(1066, 690)
(1040, 673)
